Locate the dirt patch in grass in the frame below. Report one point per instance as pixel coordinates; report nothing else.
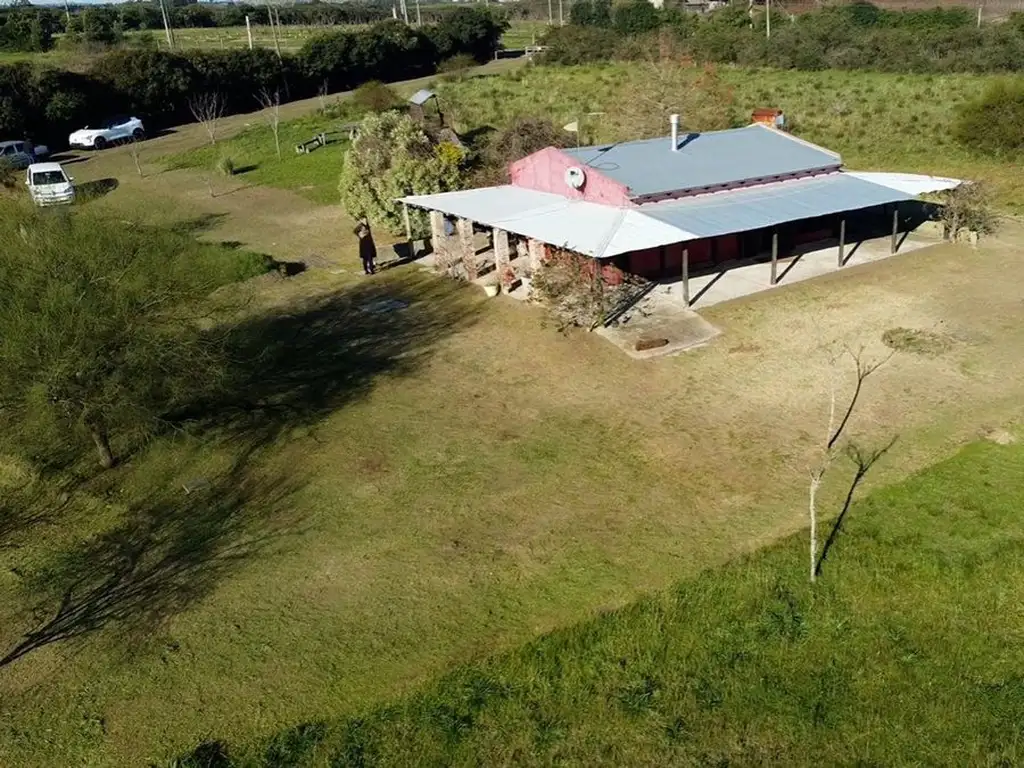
(917, 342)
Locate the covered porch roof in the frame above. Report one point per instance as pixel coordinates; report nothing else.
(604, 231)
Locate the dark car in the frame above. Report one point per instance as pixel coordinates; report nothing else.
(21, 154)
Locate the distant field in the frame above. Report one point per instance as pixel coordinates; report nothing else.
(291, 38)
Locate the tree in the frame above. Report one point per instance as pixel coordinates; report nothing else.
(476, 31)
(390, 158)
(640, 111)
(833, 447)
(207, 108)
(635, 17)
(98, 333)
(591, 13)
(521, 137)
(270, 101)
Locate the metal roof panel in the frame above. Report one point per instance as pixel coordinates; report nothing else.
(650, 167)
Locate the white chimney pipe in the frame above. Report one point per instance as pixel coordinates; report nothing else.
(674, 119)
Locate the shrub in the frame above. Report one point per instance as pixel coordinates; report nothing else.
(968, 208)
(8, 176)
(572, 45)
(374, 96)
(225, 166)
(455, 68)
(994, 123)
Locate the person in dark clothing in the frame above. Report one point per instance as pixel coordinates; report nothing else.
(367, 248)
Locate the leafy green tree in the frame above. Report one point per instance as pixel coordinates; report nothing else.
(99, 340)
(635, 17)
(591, 13)
(393, 157)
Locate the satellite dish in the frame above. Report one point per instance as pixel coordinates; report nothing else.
(575, 177)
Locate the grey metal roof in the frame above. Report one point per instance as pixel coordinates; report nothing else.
(742, 210)
(650, 166)
(421, 97)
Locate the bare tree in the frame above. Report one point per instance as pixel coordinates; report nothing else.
(207, 108)
(271, 103)
(321, 94)
(831, 450)
(134, 151)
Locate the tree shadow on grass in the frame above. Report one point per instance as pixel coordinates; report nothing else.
(295, 366)
(289, 368)
(170, 550)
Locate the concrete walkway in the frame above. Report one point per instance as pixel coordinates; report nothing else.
(744, 280)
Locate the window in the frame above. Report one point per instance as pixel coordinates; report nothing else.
(8, 150)
(42, 178)
(19, 146)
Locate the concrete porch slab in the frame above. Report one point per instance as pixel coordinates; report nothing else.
(659, 315)
(743, 280)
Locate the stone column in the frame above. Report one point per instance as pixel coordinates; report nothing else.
(438, 241)
(467, 251)
(536, 255)
(501, 257)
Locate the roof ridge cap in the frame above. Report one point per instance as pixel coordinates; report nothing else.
(797, 139)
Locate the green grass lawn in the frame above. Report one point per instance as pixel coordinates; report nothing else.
(907, 651)
(313, 175)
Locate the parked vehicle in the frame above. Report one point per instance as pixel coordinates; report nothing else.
(48, 184)
(112, 131)
(21, 154)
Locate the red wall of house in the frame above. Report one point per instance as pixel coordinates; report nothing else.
(545, 172)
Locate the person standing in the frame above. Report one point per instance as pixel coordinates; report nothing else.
(367, 248)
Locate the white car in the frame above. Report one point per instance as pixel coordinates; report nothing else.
(49, 184)
(112, 131)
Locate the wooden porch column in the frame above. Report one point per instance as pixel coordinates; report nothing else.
(501, 257)
(895, 227)
(467, 251)
(686, 276)
(536, 255)
(842, 239)
(775, 257)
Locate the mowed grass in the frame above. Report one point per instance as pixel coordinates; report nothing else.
(907, 651)
(876, 121)
(314, 175)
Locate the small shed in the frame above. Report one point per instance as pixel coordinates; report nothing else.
(418, 105)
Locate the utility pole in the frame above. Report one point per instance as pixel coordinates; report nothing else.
(768, 19)
(167, 25)
(273, 29)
